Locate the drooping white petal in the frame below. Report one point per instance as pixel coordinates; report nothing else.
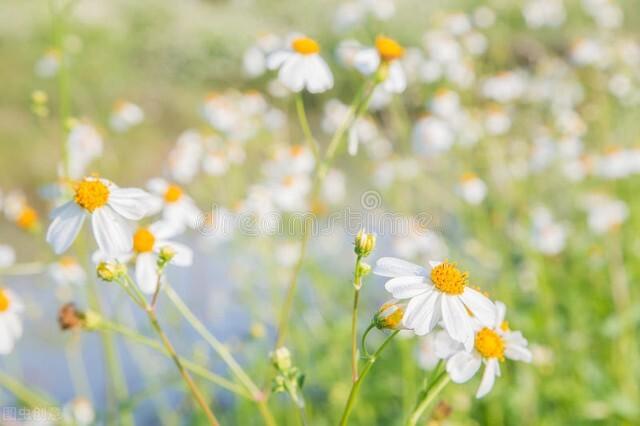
(394, 267)
(111, 232)
(406, 287)
(488, 378)
(146, 274)
(183, 254)
(457, 321)
(13, 324)
(319, 77)
(67, 221)
(462, 366)
(6, 339)
(367, 61)
(291, 74)
(131, 203)
(396, 81)
(425, 315)
(517, 352)
(483, 309)
(353, 140)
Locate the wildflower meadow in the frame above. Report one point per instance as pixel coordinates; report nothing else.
(342, 212)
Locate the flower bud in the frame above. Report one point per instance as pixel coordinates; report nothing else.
(364, 269)
(281, 359)
(166, 254)
(110, 271)
(71, 318)
(364, 243)
(390, 315)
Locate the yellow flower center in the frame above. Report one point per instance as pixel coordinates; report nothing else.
(489, 344)
(28, 218)
(173, 194)
(5, 302)
(305, 46)
(143, 241)
(91, 194)
(449, 279)
(468, 177)
(296, 150)
(389, 49)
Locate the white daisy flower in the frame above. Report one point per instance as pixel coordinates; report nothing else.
(185, 157)
(147, 243)
(125, 115)
(67, 271)
(437, 293)
(177, 207)
(110, 208)
(48, 64)
(472, 189)
(492, 344)
(301, 67)
(385, 53)
(79, 411)
(10, 324)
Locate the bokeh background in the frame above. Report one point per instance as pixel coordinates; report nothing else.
(564, 262)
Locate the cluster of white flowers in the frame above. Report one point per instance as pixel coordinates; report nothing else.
(473, 330)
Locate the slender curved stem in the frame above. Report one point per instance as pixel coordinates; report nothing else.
(355, 387)
(357, 284)
(29, 396)
(304, 123)
(194, 367)
(256, 394)
(432, 392)
(363, 342)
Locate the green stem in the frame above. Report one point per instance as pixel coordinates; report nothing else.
(363, 342)
(197, 395)
(357, 284)
(194, 367)
(223, 352)
(433, 391)
(28, 396)
(304, 123)
(355, 387)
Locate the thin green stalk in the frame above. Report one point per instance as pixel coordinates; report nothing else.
(194, 367)
(223, 352)
(28, 396)
(432, 392)
(363, 342)
(357, 285)
(181, 369)
(304, 123)
(355, 387)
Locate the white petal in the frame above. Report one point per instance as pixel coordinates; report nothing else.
(367, 61)
(394, 267)
(67, 221)
(406, 287)
(111, 232)
(488, 378)
(517, 352)
(292, 73)
(445, 346)
(6, 339)
(14, 325)
(158, 186)
(423, 313)
(131, 203)
(457, 321)
(501, 312)
(183, 256)
(164, 229)
(396, 81)
(276, 59)
(483, 309)
(319, 77)
(146, 274)
(462, 366)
